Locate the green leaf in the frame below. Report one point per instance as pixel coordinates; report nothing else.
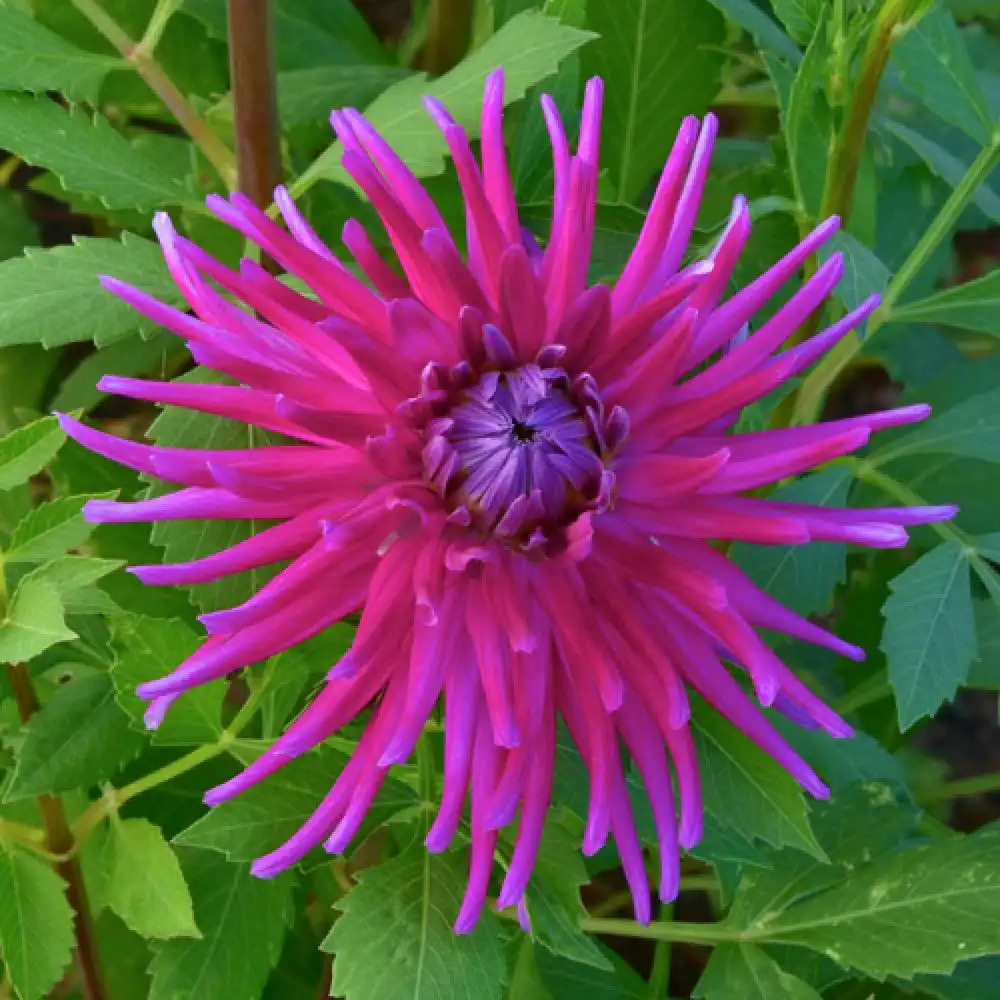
(764, 30)
(148, 648)
(654, 75)
(404, 909)
(985, 671)
(974, 305)
(553, 898)
(36, 59)
(925, 907)
(934, 63)
(36, 923)
(529, 47)
(929, 639)
(145, 885)
(49, 530)
(970, 981)
(765, 893)
(27, 450)
(306, 95)
(946, 165)
(802, 577)
(53, 296)
(71, 574)
(971, 430)
(266, 815)
(78, 739)
(744, 971)
(34, 622)
(864, 273)
(243, 921)
(571, 981)
(771, 804)
(806, 122)
(800, 17)
(86, 153)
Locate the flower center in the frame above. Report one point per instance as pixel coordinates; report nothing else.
(521, 454)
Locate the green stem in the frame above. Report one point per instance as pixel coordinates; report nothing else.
(962, 788)
(426, 776)
(158, 20)
(809, 397)
(659, 976)
(673, 930)
(140, 58)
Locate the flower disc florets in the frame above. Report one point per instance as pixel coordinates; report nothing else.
(519, 453)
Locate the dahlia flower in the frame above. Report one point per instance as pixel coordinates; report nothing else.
(516, 477)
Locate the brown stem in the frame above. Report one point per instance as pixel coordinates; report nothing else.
(59, 840)
(255, 108)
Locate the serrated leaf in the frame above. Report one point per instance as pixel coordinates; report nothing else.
(36, 59)
(145, 885)
(764, 30)
(70, 575)
(934, 63)
(36, 923)
(553, 899)
(529, 47)
(405, 908)
(76, 740)
(926, 907)
(802, 577)
(771, 804)
(86, 153)
(243, 921)
(654, 75)
(34, 621)
(27, 450)
(744, 971)
(970, 429)
(53, 296)
(946, 165)
(791, 876)
(50, 530)
(148, 648)
(930, 638)
(974, 305)
(973, 980)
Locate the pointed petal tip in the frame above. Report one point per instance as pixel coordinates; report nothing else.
(267, 867)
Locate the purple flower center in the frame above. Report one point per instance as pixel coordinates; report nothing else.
(522, 453)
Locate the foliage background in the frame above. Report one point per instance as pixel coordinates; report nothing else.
(890, 890)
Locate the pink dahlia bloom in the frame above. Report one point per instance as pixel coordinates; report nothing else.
(515, 476)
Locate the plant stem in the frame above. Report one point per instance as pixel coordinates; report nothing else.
(59, 840)
(255, 108)
(449, 26)
(979, 785)
(659, 976)
(845, 161)
(140, 58)
(158, 20)
(659, 931)
(810, 395)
